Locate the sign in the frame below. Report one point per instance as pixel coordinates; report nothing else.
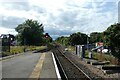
(99, 44)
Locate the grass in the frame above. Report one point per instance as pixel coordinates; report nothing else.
(20, 49)
(16, 49)
(103, 57)
(98, 56)
(71, 48)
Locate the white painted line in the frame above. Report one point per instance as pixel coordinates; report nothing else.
(56, 68)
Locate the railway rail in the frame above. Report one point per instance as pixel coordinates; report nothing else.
(67, 68)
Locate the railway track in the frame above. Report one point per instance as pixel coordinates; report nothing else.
(67, 68)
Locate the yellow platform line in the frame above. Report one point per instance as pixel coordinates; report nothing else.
(36, 72)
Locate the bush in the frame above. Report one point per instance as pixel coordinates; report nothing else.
(16, 49)
(105, 57)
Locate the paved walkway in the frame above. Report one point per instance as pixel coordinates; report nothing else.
(46, 67)
(31, 66)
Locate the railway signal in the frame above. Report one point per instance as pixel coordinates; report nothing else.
(46, 35)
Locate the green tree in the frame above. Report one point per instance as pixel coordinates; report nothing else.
(66, 41)
(63, 40)
(112, 39)
(30, 32)
(96, 37)
(78, 39)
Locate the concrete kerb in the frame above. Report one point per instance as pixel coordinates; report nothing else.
(11, 56)
(111, 71)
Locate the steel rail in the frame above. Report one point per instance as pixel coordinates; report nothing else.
(61, 70)
(75, 65)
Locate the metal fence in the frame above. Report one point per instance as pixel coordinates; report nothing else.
(4, 44)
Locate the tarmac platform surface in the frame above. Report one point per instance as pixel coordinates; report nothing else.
(30, 65)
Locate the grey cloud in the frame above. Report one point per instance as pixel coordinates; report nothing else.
(38, 9)
(67, 18)
(54, 36)
(17, 5)
(11, 22)
(87, 23)
(23, 6)
(88, 5)
(57, 31)
(105, 6)
(72, 17)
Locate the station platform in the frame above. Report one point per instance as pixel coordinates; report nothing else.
(46, 67)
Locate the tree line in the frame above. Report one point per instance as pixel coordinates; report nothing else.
(80, 38)
(110, 38)
(31, 32)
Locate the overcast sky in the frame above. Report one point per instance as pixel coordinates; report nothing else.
(60, 17)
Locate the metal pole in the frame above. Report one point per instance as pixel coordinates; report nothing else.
(24, 39)
(9, 41)
(87, 43)
(24, 44)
